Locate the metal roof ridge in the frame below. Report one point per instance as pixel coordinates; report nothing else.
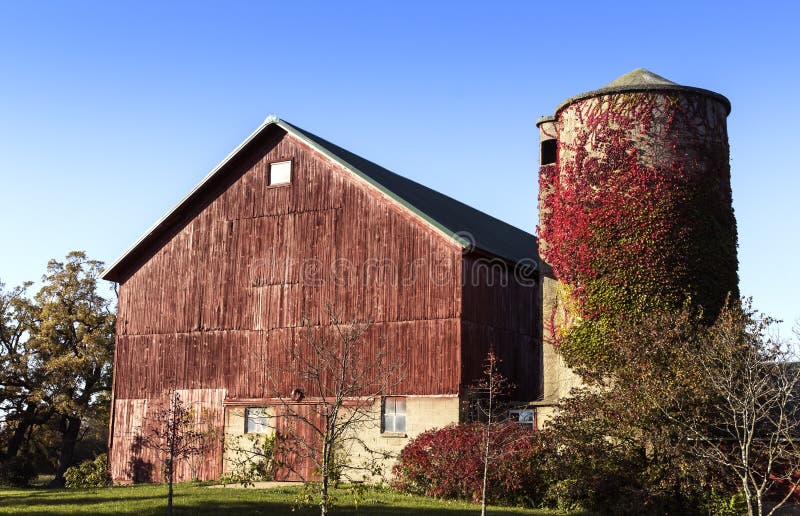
(377, 184)
(273, 119)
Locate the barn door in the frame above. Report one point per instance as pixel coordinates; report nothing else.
(298, 442)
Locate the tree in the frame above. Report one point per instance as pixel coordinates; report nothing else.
(344, 377)
(493, 387)
(251, 458)
(688, 410)
(73, 337)
(175, 432)
(55, 362)
(612, 447)
(602, 458)
(750, 422)
(23, 403)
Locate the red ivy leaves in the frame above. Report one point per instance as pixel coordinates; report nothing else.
(637, 212)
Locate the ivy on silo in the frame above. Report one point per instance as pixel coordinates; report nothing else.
(636, 216)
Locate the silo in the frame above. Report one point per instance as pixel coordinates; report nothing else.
(635, 209)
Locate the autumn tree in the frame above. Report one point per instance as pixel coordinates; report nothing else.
(55, 361)
(73, 337)
(743, 415)
(688, 414)
(613, 447)
(343, 376)
(493, 389)
(23, 403)
(24, 406)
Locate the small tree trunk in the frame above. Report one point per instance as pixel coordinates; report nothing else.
(485, 473)
(171, 457)
(488, 435)
(170, 477)
(748, 498)
(323, 503)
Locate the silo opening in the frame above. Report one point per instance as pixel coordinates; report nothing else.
(549, 151)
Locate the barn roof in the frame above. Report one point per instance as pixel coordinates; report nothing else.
(455, 220)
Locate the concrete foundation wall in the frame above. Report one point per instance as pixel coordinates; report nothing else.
(372, 461)
(422, 414)
(237, 441)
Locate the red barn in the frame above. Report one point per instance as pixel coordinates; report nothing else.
(287, 225)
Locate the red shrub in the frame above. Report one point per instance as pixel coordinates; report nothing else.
(448, 463)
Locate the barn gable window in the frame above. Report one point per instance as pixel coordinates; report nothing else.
(394, 415)
(256, 421)
(280, 173)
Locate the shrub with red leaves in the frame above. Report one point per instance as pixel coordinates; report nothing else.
(448, 463)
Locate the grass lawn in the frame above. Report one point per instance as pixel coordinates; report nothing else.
(195, 499)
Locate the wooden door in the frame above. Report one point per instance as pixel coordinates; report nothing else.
(299, 444)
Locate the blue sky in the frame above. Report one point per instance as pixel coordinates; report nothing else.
(111, 111)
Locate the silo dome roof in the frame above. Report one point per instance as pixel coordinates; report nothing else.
(639, 77)
(642, 80)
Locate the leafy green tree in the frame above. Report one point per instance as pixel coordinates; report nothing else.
(690, 414)
(55, 363)
(613, 447)
(748, 385)
(73, 338)
(24, 406)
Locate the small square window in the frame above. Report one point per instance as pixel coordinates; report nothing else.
(394, 415)
(280, 173)
(525, 417)
(256, 421)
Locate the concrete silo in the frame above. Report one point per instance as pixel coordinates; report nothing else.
(635, 212)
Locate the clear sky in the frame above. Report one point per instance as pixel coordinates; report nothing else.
(111, 111)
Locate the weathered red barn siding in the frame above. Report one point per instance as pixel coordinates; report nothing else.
(499, 309)
(239, 276)
(130, 461)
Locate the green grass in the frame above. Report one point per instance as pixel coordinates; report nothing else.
(200, 500)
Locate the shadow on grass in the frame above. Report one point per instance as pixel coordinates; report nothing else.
(33, 499)
(202, 502)
(41, 501)
(363, 510)
(276, 509)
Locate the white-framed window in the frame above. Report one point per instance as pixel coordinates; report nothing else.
(524, 416)
(394, 415)
(256, 420)
(280, 173)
